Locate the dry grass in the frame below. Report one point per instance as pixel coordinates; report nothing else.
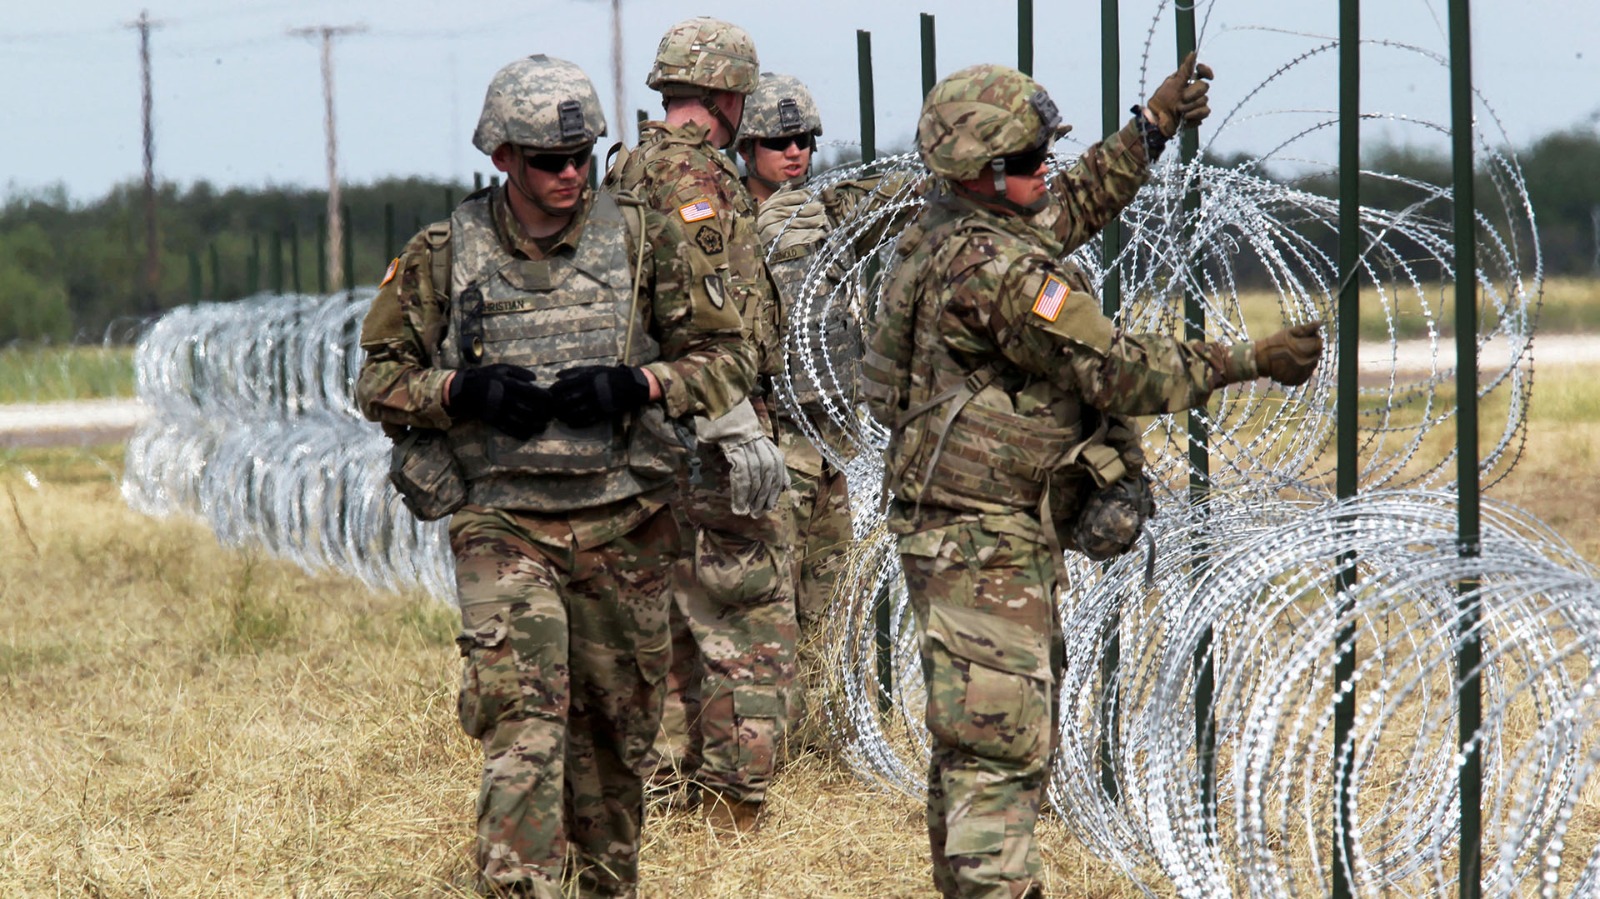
(183, 719)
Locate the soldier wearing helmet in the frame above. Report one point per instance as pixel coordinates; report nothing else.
(736, 591)
(998, 378)
(557, 496)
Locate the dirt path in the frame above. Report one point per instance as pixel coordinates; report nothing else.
(88, 422)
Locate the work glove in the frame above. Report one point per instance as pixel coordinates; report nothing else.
(503, 397)
(1290, 356)
(756, 470)
(791, 218)
(589, 394)
(1181, 99)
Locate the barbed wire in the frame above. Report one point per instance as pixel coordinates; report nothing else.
(255, 431)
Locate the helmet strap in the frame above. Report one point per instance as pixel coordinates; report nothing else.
(709, 101)
(997, 165)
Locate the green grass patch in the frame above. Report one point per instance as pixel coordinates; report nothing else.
(46, 374)
(16, 661)
(64, 465)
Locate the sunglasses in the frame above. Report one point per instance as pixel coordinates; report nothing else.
(556, 163)
(1028, 161)
(782, 144)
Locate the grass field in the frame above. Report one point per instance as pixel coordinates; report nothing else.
(43, 374)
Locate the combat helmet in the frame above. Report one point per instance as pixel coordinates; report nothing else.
(540, 102)
(703, 54)
(977, 115)
(780, 106)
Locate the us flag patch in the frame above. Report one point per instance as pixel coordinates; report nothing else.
(696, 211)
(1052, 296)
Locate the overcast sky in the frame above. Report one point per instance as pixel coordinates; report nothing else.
(238, 101)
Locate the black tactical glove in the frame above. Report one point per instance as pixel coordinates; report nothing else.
(590, 394)
(503, 397)
(1290, 356)
(1181, 99)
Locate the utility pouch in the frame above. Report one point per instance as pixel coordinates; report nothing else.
(427, 476)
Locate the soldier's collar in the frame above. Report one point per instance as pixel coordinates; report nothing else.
(516, 240)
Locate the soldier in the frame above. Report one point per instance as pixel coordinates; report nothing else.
(993, 372)
(776, 141)
(561, 532)
(736, 591)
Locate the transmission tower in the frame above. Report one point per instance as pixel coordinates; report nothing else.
(152, 251)
(335, 218)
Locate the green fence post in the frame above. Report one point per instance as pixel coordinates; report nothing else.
(1347, 411)
(1469, 655)
(195, 288)
(275, 264)
(252, 271)
(930, 70)
(216, 271)
(294, 256)
(869, 136)
(389, 249)
(1025, 36)
(1111, 301)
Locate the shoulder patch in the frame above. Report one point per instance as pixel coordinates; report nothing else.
(709, 240)
(1052, 297)
(388, 274)
(696, 211)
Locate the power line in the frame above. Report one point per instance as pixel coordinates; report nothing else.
(335, 218)
(152, 254)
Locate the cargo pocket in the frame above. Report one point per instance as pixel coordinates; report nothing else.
(426, 474)
(758, 711)
(734, 570)
(989, 688)
(489, 688)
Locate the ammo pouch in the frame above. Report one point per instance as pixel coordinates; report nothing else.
(427, 476)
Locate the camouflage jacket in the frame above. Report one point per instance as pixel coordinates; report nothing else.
(1008, 345)
(704, 366)
(678, 173)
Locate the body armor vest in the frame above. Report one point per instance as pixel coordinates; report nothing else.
(984, 438)
(569, 309)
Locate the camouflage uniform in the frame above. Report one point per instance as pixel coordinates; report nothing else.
(563, 546)
(1008, 361)
(735, 588)
(793, 225)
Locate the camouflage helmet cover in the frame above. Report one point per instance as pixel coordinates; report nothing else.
(704, 54)
(540, 102)
(982, 112)
(780, 106)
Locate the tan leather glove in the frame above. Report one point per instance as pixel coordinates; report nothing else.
(1290, 356)
(791, 217)
(1181, 99)
(757, 473)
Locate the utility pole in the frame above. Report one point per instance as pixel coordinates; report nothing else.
(335, 222)
(616, 70)
(152, 251)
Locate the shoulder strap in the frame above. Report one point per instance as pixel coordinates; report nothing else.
(633, 221)
(439, 252)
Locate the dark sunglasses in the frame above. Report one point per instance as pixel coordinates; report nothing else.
(556, 163)
(1028, 161)
(782, 144)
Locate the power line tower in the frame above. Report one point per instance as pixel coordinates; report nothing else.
(335, 216)
(152, 250)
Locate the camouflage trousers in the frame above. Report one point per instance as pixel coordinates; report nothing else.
(991, 658)
(823, 534)
(733, 642)
(565, 651)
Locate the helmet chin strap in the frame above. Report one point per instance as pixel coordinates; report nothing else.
(710, 103)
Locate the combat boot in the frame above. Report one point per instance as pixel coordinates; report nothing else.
(730, 818)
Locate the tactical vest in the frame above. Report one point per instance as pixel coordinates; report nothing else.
(987, 439)
(577, 308)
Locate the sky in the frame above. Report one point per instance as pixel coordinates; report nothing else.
(237, 99)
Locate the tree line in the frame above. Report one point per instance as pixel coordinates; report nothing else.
(72, 271)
